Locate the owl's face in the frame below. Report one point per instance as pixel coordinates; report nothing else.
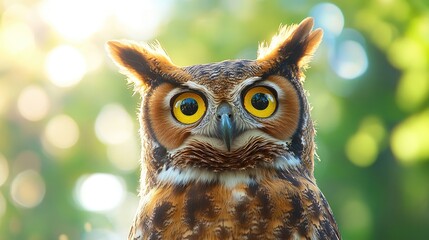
(228, 116)
(223, 112)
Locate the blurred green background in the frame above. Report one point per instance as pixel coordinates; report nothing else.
(69, 147)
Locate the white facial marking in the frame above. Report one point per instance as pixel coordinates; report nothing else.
(238, 195)
(173, 175)
(287, 161)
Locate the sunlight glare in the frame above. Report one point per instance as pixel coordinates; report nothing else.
(140, 19)
(33, 103)
(28, 189)
(16, 36)
(75, 20)
(100, 192)
(113, 124)
(65, 66)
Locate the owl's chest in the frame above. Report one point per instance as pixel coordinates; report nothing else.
(265, 210)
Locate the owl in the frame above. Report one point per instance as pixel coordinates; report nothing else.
(228, 147)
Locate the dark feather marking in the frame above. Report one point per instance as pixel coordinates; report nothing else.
(198, 203)
(223, 232)
(286, 175)
(328, 211)
(283, 232)
(265, 204)
(295, 215)
(155, 235)
(161, 214)
(136, 61)
(178, 189)
(261, 227)
(254, 236)
(197, 232)
(314, 208)
(296, 145)
(252, 189)
(241, 212)
(160, 153)
(303, 227)
(328, 229)
(329, 224)
(321, 233)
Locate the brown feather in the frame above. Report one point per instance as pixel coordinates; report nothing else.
(256, 152)
(145, 65)
(284, 125)
(293, 45)
(275, 208)
(167, 130)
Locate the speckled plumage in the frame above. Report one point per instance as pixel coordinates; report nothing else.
(197, 181)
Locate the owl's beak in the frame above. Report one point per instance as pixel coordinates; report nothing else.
(225, 128)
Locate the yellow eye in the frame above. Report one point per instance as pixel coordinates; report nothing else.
(260, 102)
(188, 107)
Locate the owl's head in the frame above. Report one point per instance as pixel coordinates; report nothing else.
(225, 117)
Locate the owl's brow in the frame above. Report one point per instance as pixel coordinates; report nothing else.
(195, 86)
(185, 87)
(247, 82)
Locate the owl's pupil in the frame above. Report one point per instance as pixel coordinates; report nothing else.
(189, 106)
(260, 101)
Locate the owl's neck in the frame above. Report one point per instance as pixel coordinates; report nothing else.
(179, 176)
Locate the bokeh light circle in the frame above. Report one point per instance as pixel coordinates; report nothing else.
(362, 149)
(350, 60)
(409, 141)
(33, 103)
(329, 17)
(113, 124)
(65, 66)
(100, 192)
(28, 189)
(129, 148)
(62, 132)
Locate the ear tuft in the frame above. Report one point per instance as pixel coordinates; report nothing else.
(294, 44)
(145, 65)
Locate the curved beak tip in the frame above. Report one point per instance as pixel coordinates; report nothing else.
(226, 130)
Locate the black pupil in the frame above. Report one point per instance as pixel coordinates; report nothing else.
(260, 101)
(189, 106)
